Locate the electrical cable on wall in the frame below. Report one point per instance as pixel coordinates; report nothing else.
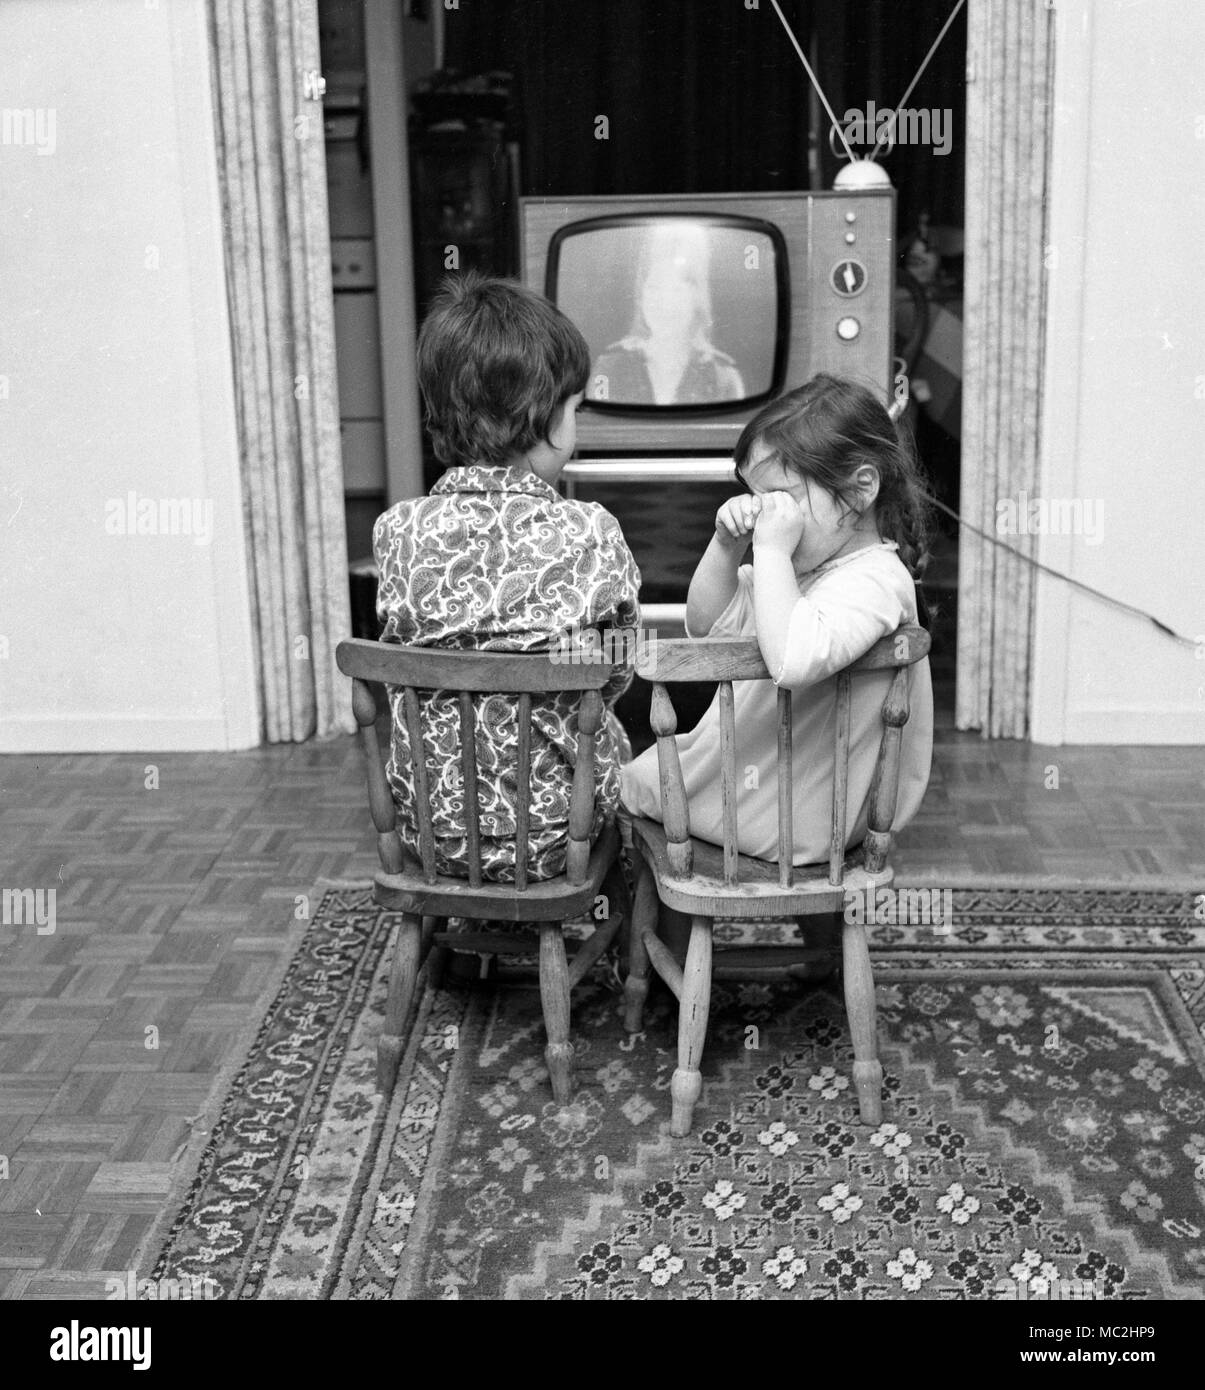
(1066, 578)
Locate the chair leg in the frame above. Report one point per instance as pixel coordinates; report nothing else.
(403, 975)
(434, 957)
(859, 1005)
(687, 1082)
(437, 960)
(821, 934)
(643, 918)
(619, 901)
(673, 927)
(554, 995)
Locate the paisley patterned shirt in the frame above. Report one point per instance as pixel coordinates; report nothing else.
(494, 559)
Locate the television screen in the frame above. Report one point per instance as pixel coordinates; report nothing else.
(681, 312)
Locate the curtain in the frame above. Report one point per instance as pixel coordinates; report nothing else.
(711, 97)
(271, 165)
(869, 52)
(699, 97)
(1009, 100)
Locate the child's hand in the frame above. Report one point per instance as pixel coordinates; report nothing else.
(780, 524)
(735, 520)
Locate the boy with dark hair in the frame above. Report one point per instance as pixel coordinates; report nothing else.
(494, 559)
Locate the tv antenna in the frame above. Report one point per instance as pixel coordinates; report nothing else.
(865, 172)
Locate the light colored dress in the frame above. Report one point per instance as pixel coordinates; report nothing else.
(845, 606)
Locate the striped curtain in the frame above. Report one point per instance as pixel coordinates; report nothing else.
(271, 164)
(1010, 74)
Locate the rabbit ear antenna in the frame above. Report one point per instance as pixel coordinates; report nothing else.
(807, 67)
(903, 101)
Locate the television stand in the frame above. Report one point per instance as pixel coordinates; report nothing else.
(666, 618)
(652, 469)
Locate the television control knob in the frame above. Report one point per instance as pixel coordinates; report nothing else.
(851, 216)
(850, 238)
(848, 277)
(848, 329)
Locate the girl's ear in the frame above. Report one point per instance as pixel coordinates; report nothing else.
(866, 480)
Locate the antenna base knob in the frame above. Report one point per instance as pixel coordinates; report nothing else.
(862, 173)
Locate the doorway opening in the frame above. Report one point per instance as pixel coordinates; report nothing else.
(696, 99)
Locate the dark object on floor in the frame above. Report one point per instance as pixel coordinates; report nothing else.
(364, 576)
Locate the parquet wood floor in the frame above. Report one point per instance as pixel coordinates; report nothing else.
(175, 911)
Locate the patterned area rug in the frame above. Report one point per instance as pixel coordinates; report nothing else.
(1044, 1120)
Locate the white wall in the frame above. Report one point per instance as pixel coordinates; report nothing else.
(115, 342)
(1124, 412)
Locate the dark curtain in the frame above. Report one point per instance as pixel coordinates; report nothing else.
(701, 96)
(869, 50)
(706, 95)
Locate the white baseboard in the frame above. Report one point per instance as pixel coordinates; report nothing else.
(1134, 726)
(124, 734)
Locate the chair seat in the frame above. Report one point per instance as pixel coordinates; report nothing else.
(757, 892)
(545, 900)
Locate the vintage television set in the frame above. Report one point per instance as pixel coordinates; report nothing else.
(786, 285)
(698, 308)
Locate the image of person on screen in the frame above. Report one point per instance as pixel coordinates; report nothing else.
(668, 357)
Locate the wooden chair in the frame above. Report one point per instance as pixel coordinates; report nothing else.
(709, 882)
(423, 896)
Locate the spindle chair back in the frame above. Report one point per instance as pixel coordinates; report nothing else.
(422, 895)
(715, 882)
